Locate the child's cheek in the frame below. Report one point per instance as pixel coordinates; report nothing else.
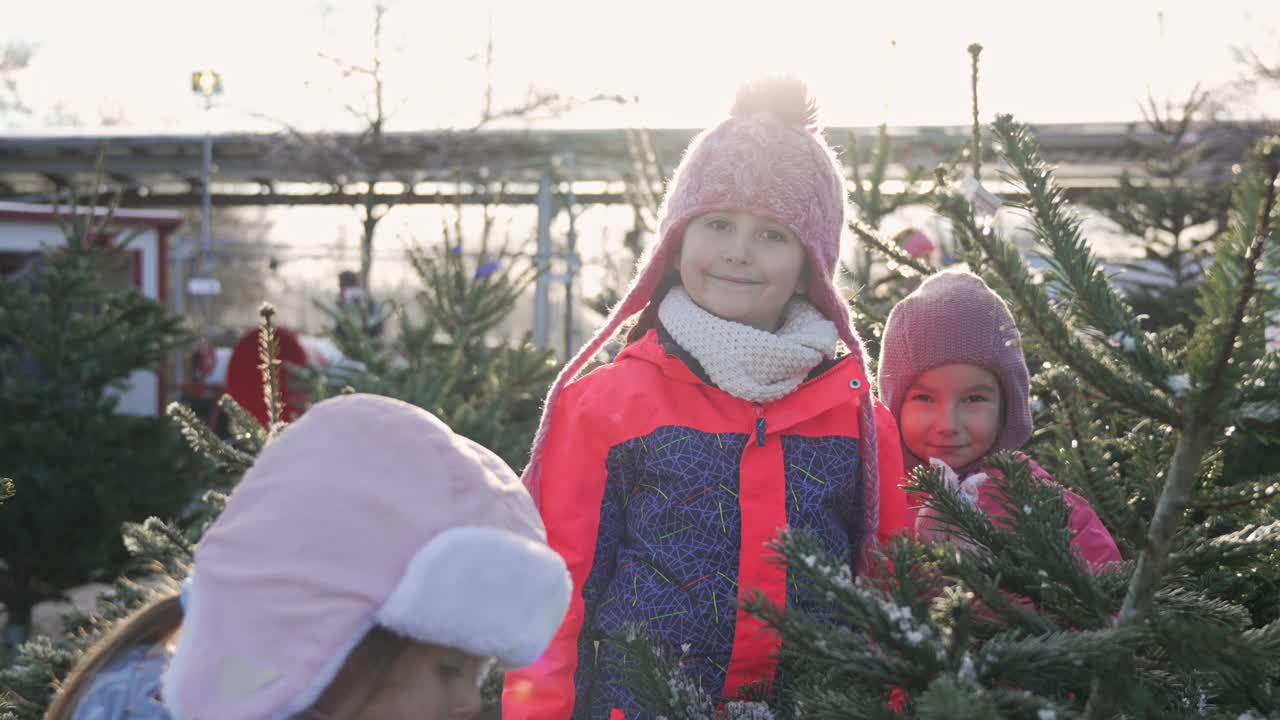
(913, 426)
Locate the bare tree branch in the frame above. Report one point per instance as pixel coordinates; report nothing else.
(14, 58)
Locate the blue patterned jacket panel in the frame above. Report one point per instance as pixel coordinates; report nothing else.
(669, 543)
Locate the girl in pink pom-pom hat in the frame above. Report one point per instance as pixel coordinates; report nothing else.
(739, 406)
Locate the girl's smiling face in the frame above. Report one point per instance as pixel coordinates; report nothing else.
(399, 679)
(952, 413)
(741, 267)
(430, 682)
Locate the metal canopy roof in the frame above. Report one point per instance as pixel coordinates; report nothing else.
(457, 166)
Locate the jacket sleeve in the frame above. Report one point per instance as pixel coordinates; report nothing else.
(893, 499)
(584, 528)
(1089, 536)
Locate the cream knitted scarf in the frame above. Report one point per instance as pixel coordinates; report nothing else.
(745, 362)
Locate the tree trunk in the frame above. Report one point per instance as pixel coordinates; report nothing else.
(366, 249)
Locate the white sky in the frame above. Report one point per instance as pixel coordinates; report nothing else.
(900, 62)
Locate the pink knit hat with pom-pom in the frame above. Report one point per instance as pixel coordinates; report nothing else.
(767, 158)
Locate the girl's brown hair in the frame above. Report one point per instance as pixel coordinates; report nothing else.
(648, 318)
(159, 622)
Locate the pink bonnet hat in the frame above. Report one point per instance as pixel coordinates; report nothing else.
(365, 511)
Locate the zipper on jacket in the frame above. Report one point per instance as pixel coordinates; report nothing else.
(760, 425)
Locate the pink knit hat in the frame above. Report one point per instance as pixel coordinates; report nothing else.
(365, 511)
(953, 317)
(767, 158)
(917, 244)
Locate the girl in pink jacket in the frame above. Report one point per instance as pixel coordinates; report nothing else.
(953, 375)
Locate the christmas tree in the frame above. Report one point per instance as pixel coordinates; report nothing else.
(161, 550)
(68, 341)
(1176, 211)
(446, 354)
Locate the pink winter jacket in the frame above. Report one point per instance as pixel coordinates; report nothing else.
(1090, 538)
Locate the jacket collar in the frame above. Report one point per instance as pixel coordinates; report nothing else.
(831, 383)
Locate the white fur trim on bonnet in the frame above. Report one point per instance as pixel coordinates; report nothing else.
(457, 591)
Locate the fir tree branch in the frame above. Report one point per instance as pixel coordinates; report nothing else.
(870, 319)
(246, 429)
(891, 252)
(162, 544)
(1073, 263)
(1039, 521)
(1193, 605)
(1238, 496)
(1007, 269)
(1024, 549)
(915, 178)
(205, 443)
(986, 584)
(884, 639)
(654, 677)
(975, 50)
(1267, 639)
(1234, 549)
(956, 698)
(1061, 657)
(867, 196)
(1155, 553)
(269, 365)
(842, 702)
(1258, 226)
(178, 542)
(1261, 417)
(855, 166)
(1101, 487)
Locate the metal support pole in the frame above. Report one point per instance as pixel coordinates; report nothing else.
(206, 84)
(206, 203)
(571, 259)
(206, 221)
(542, 287)
(179, 302)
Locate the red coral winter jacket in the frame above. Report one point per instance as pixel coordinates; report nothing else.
(661, 491)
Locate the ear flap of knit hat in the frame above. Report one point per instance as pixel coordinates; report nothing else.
(651, 268)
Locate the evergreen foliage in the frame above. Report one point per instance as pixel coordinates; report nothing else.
(447, 355)
(69, 341)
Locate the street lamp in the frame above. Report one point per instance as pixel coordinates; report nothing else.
(206, 84)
